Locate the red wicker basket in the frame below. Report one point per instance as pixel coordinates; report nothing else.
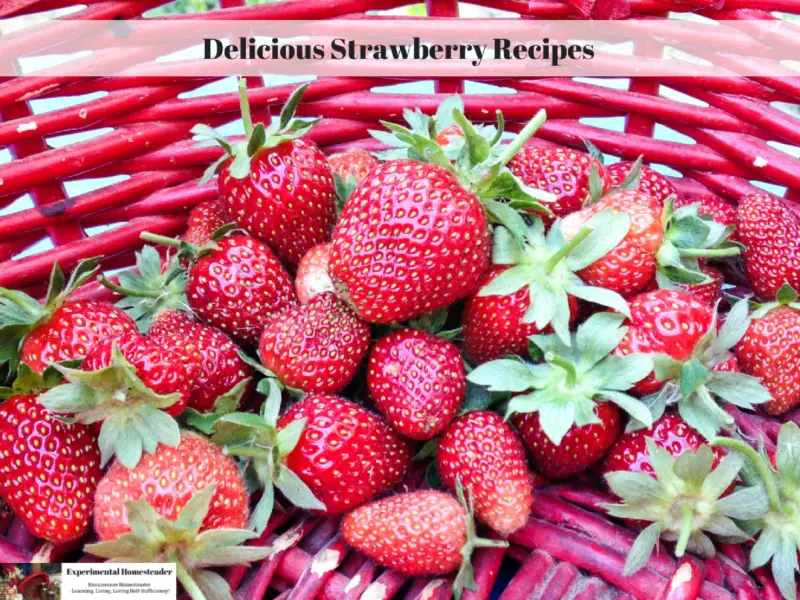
(144, 173)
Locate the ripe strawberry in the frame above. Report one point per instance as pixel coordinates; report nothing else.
(346, 455)
(417, 381)
(770, 232)
(770, 349)
(278, 187)
(706, 292)
(204, 220)
(484, 453)
(651, 182)
(49, 469)
(59, 330)
(443, 137)
(721, 210)
(567, 415)
(564, 172)
(312, 277)
(214, 357)
(315, 347)
(355, 162)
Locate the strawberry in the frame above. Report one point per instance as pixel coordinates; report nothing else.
(682, 493)
(346, 455)
(705, 292)
(484, 453)
(278, 187)
(49, 469)
(312, 276)
(315, 347)
(122, 384)
(443, 137)
(185, 505)
(650, 181)
(566, 173)
(770, 349)
(417, 381)
(770, 232)
(569, 394)
(60, 330)
(215, 358)
(533, 286)
(355, 162)
(204, 220)
(721, 210)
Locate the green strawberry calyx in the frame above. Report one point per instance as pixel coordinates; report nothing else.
(257, 136)
(786, 297)
(183, 543)
(20, 313)
(685, 503)
(698, 388)
(546, 265)
(132, 415)
(688, 237)
(777, 531)
(28, 381)
(256, 441)
(190, 253)
(565, 388)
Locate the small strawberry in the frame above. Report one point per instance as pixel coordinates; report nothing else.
(133, 387)
(417, 381)
(234, 283)
(315, 347)
(312, 277)
(571, 176)
(770, 349)
(345, 454)
(770, 232)
(39, 335)
(484, 453)
(278, 187)
(650, 181)
(49, 469)
(355, 162)
(705, 292)
(204, 220)
(185, 505)
(443, 137)
(568, 394)
(418, 533)
(533, 287)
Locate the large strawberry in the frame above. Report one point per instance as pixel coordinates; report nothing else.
(312, 277)
(414, 236)
(204, 219)
(534, 285)
(345, 454)
(315, 347)
(185, 505)
(417, 381)
(39, 335)
(561, 405)
(770, 232)
(276, 186)
(49, 469)
(770, 349)
(485, 454)
(645, 179)
(133, 387)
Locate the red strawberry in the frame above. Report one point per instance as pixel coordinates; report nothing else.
(651, 182)
(770, 232)
(49, 470)
(484, 453)
(664, 321)
(417, 381)
(346, 455)
(278, 187)
(59, 330)
(204, 220)
(443, 137)
(563, 172)
(356, 162)
(312, 276)
(706, 292)
(723, 211)
(315, 347)
(213, 355)
(770, 349)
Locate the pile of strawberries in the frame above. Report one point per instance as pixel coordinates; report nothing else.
(532, 329)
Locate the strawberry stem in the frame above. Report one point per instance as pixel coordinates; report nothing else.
(160, 239)
(686, 529)
(566, 249)
(708, 253)
(101, 279)
(189, 584)
(244, 104)
(764, 470)
(523, 136)
(560, 361)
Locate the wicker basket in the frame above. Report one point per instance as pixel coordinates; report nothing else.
(143, 174)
